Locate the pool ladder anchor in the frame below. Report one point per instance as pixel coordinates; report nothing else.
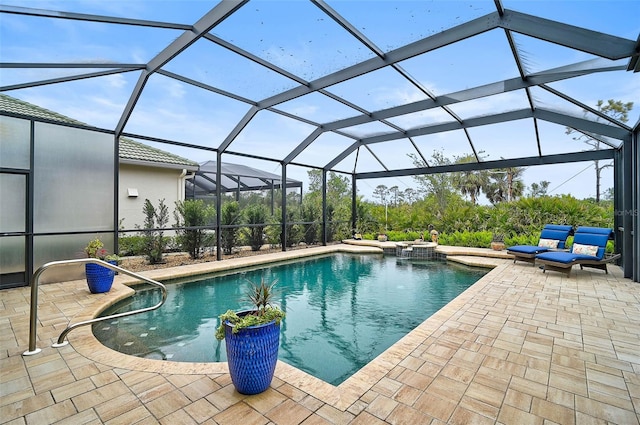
(33, 313)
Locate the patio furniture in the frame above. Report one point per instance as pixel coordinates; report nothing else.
(552, 237)
(588, 250)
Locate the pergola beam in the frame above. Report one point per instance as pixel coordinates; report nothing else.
(91, 18)
(204, 25)
(556, 74)
(444, 38)
(302, 146)
(582, 124)
(593, 42)
(591, 155)
(238, 128)
(600, 114)
(432, 129)
(539, 113)
(66, 79)
(76, 65)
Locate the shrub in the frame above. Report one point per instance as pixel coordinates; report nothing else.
(192, 215)
(311, 216)
(470, 239)
(274, 233)
(256, 215)
(230, 215)
(521, 221)
(153, 241)
(524, 239)
(399, 236)
(131, 245)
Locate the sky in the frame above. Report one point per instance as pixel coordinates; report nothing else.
(301, 39)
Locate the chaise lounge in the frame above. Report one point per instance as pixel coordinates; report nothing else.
(553, 236)
(588, 250)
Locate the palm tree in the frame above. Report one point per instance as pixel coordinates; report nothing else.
(470, 182)
(505, 184)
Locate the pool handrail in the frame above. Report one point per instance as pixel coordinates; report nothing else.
(33, 314)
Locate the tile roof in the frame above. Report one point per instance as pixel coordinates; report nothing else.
(129, 149)
(17, 106)
(132, 150)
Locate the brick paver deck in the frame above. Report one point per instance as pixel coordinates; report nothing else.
(519, 347)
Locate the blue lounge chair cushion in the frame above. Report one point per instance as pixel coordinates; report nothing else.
(558, 232)
(593, 236)
(584, 236)
(564, 257)
(528, 249)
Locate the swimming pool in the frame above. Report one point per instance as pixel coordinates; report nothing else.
(342, 311)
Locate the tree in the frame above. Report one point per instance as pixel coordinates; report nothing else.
(192, 215)
(410, 195)
(505, 184)
(539, 189)
(381, 192)
(365, 221)
(229, 215)
(153, 236)
(394, 195)
(338, 186)
(617, 110)
(471, 182)
(437, 184)
(310, 214)
(315, 180)
(256, 216)
(338, 203)
(292, 230)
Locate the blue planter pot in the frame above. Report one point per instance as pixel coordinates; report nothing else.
(252, 355)
(99, 278)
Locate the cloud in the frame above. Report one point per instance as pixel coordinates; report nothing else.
(116, 81)
(175, 90)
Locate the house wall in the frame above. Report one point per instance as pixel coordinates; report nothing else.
(57, 186)
(151, 183)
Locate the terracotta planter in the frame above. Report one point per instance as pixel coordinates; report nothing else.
(497, 246)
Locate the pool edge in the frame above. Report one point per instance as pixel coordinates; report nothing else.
(341, 396)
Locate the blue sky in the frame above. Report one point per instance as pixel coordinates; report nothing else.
(298, 37)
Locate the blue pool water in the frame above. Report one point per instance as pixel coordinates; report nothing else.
(342, 311)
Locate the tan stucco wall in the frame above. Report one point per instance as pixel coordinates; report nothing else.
(152, 183)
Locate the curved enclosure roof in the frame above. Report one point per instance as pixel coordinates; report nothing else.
(351, 86)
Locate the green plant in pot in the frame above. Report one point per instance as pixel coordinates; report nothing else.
(252, 340)
(99, 278)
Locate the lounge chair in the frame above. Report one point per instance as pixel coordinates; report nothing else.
(588, 250)
(553, 236)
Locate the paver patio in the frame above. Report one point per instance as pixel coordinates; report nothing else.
(519, 347)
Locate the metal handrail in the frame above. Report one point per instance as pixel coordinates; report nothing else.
(33, 318)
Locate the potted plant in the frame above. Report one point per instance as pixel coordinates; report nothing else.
(252, 340)
(497, 242)
(99, 278)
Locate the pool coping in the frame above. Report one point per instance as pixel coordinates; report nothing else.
(341, 396)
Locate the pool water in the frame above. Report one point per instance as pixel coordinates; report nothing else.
(342, 311)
